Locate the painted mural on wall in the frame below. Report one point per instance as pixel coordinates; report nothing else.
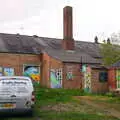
(118, 78)
(32, 72)
(87, 78)
(1, 71)
(84, 68)
(69, 73)
(56, 78)
(8, 71)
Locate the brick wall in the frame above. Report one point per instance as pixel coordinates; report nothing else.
(17, 61)
(76, 81)
(97, 86)
(45, 70)
(47, 63)
(112, 79)
(55, 64)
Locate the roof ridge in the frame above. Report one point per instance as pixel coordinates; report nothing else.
(44, 37)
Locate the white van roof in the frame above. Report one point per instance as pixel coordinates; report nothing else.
(17, 77)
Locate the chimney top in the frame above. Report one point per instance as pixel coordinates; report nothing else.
(17, 35)
(108, 41)
(35, 36)
(96, 39)
(68, 7)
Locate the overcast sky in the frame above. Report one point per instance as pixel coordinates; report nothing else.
(45, 17)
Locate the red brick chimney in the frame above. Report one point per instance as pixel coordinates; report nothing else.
(68, 41)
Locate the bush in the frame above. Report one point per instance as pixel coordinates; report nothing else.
(110, 94)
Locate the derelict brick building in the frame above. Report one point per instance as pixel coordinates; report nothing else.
(55, 63)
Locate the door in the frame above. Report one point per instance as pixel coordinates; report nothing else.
(56, 78)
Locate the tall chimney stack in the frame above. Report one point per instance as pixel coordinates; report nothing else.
(68, 41)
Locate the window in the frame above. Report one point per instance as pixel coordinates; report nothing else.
(103, 76)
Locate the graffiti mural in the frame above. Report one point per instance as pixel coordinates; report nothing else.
(32, 72)
(8, 72)
(87, 79)
(1, 71)
(84, 68)
(118, 78)
(69, 73)
(56, 78)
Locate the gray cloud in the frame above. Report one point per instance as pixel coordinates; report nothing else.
(44, 17)
(11, 10)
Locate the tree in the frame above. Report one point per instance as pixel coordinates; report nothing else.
(110, 53)
(115, 38)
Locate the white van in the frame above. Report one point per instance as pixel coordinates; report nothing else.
(16, 94)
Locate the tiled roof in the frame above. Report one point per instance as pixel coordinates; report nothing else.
(89, 48)
(15, 43)
(71, 56)
(86, 52)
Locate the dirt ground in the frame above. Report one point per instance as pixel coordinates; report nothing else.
(106, 107)
(86, 104)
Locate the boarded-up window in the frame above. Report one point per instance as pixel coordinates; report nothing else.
(32, 71)
(103, 76)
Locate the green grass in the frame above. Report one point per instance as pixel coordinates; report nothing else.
(73, 116)
(46, 96)
(50, 115)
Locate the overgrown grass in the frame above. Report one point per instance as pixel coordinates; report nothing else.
(73, 116)
(50, 115)
(47, 97)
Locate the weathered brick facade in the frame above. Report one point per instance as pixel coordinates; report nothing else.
(58, 62)
(77, 77)
(97, 86)
(17, 61)
(45, 70)
(75, 80)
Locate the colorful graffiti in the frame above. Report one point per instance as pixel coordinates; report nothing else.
(84, 68)
(32, 72)
(1, 71)
(69, 73)
(117, 74)
(87, 78)
(9, 71)
(56, 78)
(118, 78)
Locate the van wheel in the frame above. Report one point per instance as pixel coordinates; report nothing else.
(31, 113)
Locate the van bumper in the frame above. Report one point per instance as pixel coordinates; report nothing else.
(16, 111)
